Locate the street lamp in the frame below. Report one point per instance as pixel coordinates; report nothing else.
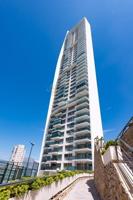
(32, 145)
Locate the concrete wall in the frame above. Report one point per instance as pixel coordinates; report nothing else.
(110, 155)
(107, 180)
(47, 192)
(95, 114)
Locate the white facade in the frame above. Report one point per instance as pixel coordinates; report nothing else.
(74, 118)
(18, 154)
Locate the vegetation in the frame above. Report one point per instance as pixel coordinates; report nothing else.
(108, 144)
(19, 189)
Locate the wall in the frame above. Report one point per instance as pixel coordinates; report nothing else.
(111, 155)
(95, 114)
(107, 180)
(49, 191)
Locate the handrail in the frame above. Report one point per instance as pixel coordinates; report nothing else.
(125, 165)
(127, 145)
(127, 183)
(125, 128)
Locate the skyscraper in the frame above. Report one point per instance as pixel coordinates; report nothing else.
(18, 153)
(73, 119)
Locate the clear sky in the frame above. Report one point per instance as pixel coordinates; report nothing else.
(31, 35)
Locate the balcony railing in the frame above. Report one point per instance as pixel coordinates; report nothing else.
(56, 134)
(82, 89)
(57, 143)
(82, 121)
(83, 137)
(55, 122)
(83, 147)
(82, 115)
(56, 150)
(69, 149)
(83, 157)
(69, 158)
(80, 131)
(82, 110)
(84, 101)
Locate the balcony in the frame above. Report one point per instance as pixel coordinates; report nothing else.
(58, 109)
(81, 77)
(82, 147)
(81, 84)
(69, 158)
(47, 147)
(68, 149)
(54, 160)
(55, 152)
(59, 149)
(81, 118)
(56, 143)
(82, 100)
(82, 111)
(56, 123)
(58, 114)
(83, 66)
(47, 144)
(46, 151)
(82, 124)
(82, 106)
(61, 103)
(47, 159)
(82, 159)
(49, 168)
(82, 92)
(82, 72)
(69, 141)
(81, 131)
(82, 139)
(78, 115)
(82, 88)
(57, 135)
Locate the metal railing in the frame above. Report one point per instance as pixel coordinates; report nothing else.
(125, 128)
(125, 164)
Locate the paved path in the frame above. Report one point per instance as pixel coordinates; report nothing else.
(83, 190)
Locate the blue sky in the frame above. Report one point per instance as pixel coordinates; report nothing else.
(31, 34)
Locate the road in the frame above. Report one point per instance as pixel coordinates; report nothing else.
(83, 190)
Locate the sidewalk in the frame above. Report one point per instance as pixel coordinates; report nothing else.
(83, 190)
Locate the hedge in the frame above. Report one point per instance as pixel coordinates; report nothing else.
(20, 189)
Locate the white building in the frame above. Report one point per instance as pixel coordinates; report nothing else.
(73, 119)
(18, 154)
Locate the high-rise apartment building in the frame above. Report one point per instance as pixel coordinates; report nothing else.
(73, 119)
(18, 153)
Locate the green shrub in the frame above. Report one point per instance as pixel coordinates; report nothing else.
(61, 176)
(49, 181)
(5, 194)
(37, 184)
(20, 189)
(110, 143)
(56, 178)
